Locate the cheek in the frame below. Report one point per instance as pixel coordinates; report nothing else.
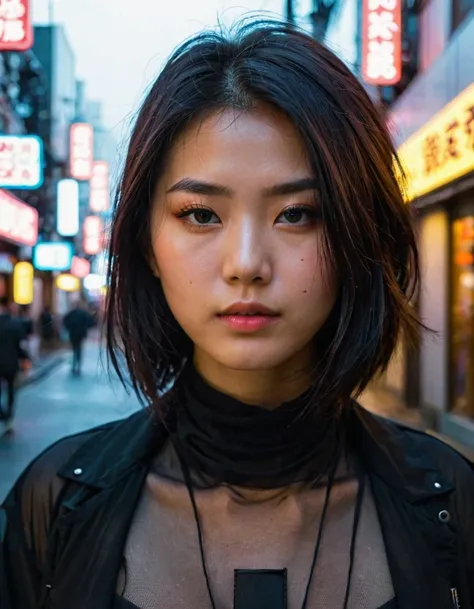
(311, 273)
(181, 267)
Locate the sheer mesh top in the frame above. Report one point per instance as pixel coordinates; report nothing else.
(259, 482)
(250, 529)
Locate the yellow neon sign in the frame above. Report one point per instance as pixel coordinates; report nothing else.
(68, 283)
(23, 276)
(442, 150)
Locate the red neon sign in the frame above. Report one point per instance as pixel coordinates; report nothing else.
(81, 151)
(16, 31)
(382, 41)
(18, 221)
(80, 267)
(93, 230)
(99, 200)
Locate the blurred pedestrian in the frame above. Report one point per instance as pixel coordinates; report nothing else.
(46, 322)
(26, 320)
(28, 327)
(77, 323)
(12, 353)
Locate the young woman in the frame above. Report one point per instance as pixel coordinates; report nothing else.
(262, 262)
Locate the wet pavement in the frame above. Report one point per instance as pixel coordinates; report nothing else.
(58, 405)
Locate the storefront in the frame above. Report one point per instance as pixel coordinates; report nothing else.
(439, 162)
(462, 308)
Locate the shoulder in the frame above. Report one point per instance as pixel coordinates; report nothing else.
(41, 475)
(105, 449)
(455, 466)
(411, 456)
(31, 503)
(42, 472)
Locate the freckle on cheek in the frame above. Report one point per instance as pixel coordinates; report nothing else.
(302, 259)
(305, 291)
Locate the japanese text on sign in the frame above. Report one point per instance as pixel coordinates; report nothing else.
(16, 32)
(21, 161)
(381, 41)
(93, 230)
(100, 187)
(81, 151)
(443, 150)
(18, 221)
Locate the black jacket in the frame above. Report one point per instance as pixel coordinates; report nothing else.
(65, 523)
(78, 322)
(12, 334)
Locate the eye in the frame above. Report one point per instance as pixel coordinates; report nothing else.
(298, 215)
(198, 215)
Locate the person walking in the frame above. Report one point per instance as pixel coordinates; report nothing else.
(12, 352)
(46, 323)
(77, 323)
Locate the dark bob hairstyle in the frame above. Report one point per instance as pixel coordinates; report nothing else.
(368, 232)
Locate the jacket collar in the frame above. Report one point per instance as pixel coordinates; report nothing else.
(395, 454)
(388, 450)
(114, 450)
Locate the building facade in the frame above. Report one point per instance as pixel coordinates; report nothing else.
(55, 53)
(433, 126)
(22, 93)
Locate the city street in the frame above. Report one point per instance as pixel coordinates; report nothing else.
(59, 405)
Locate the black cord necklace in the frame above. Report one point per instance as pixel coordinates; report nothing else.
(357, 512)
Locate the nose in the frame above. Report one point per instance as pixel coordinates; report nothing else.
(247, 258)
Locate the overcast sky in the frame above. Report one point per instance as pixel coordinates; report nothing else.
(121, 44)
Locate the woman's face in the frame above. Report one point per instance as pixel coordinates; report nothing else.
(237, 242)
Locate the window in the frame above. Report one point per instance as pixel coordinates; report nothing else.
(462, 316)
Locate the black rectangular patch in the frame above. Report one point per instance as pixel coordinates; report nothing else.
(260, 589)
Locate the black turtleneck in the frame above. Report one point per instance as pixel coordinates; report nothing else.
(239, 444)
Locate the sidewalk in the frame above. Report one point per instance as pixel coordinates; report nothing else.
(42, 365)
(58, 405)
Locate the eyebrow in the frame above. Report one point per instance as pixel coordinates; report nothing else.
(210, 189)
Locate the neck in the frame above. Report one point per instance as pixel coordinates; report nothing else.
(226, 441)
(265, 388)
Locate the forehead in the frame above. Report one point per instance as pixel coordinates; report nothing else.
(229, 145)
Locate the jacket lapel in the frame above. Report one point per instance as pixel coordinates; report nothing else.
(90, 543)
(88, 539)
(409, 492)
(421, 551)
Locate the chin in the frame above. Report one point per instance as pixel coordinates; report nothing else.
(252, 359)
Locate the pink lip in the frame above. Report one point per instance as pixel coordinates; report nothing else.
(248, 308)
(248, 316)
(248, 323)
